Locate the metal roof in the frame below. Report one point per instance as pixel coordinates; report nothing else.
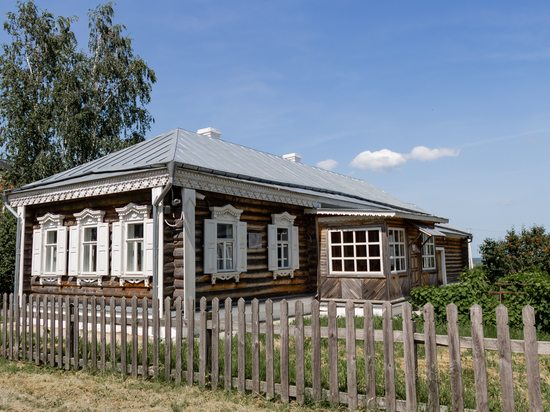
(204, 154)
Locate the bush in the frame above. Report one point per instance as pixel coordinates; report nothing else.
(517, 252)
(8, 233)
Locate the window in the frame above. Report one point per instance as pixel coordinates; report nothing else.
(355, 251)
(89, 247)
(132, 246)
(428, 252)
(225, 254)
(396, 239)
(282, 245)
(49, 249)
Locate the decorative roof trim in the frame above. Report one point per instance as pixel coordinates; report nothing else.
(118, 184)
(369, 214)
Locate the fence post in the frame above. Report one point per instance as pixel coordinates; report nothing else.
(431, 358)
(228, 337)
(241, 353)
(478, 349)
(333, 353)
(316, 351)
(167, 339)
(190, 339)
(370, 370)
(532, 358)
(389, 362)
(408, 349)
(351, 355)
(178, 339)
(284, 350)
(300, 358)
(454, 358)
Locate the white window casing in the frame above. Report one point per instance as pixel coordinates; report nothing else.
(283, 255)
(49, 250)
(225, 248)
(355, 252)
(428, 252)
(132, 255)
(397, 246)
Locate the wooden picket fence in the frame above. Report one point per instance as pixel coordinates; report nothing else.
(77, 332)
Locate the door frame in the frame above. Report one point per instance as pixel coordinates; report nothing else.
(443, 265)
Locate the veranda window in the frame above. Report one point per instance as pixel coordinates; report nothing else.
(355, 251)
(396, 238)
(428, 252)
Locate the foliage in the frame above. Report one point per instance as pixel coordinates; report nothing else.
(517, 252)
(8, 232)
(62, 106)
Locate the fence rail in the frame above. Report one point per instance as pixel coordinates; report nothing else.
(96, 333)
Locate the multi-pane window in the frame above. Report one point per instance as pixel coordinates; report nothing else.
(225, 247)
(283, 245)
(134, 247)
(89, 263)
(355, 251)
(428, 252)
(396, 238)
(50, 250)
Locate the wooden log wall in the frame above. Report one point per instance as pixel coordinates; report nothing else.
(456, 256)
(258, 281)
(110, 285)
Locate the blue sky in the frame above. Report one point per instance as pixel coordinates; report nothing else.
(364, 83)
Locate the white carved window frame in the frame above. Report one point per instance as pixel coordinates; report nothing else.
(225, 215)
(282, 221)
(49, 223)
(128, 215)
(88, 219)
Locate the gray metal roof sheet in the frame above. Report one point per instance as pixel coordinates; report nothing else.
(210, 155)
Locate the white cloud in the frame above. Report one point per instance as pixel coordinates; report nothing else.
(385, 160)
(328, 164)
(424, 154)
(379, 161)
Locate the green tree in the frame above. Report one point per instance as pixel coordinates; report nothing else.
(62, 106)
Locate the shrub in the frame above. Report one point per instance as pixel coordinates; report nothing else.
(8, 233)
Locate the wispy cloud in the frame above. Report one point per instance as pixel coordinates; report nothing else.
(385, 160)
(328, 164)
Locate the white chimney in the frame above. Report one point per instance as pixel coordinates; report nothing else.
(210, 132)
(293, 157)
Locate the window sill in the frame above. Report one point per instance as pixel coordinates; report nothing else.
(134, 278)
(357, 275)
(88, 278)
(283, 272)
(49, 278)
(225, 276)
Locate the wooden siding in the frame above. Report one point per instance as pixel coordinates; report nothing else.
(257, 281)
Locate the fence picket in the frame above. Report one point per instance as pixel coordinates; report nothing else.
(156, 327)
(11, 327)
(389, 363)
(351, 356)
(178, 340)
(134, 338)
(455, 364)
(370, 371)
(103, 337)
(333, 353)
(408, 352)
(24, 326)
(123, 337)
(203, 343)
(37, 331)
(300, 357)
(431, 358)
(478, 349)
(167, 339)
(31, 327)
(17, 326)
(45, 329)
(68, 329)
(316, 351)
(52, 331)
(112, 331)
(215, 373)
(284, 351)
(59, 332)
(75, 331)
(241, 352)
(85, 322)
(255, 346)
(228, 325)
(94, 332)
(145, 338)
(190, 319)
(505, 359)
(532, 359)
(4, 324)
(269, 350)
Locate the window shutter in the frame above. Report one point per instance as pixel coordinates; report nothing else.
(295, 249)
(116, 250)
(210, 261)
(149, 237)
(103, 249)
(36, 252)
(272, 263)
(74, 246)
(62, 250)
(241, 239)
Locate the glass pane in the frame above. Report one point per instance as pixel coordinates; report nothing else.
(360, 236)
(390, 236)
(282, 235)
(130, 257)
(348, 251)
(94, 258)
(361, 250)
(90, 234)
(48, 259)
(54, 258)
(86, 262)
(229, 256)
(51, 237)
(349, 266)
(285, 255)
(135, 231)
(220, 256)
(361, 265)
(336, 251)
(348, 237)
(401, 250)
(139, 255)
(392, 264)
(225, 231)
(335, 237)
(392, 250)
(374, 250)
(375, 265)
(374, 236)
(336, 265)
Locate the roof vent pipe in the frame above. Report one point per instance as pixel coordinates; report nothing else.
(210, 132)
(293, 157)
